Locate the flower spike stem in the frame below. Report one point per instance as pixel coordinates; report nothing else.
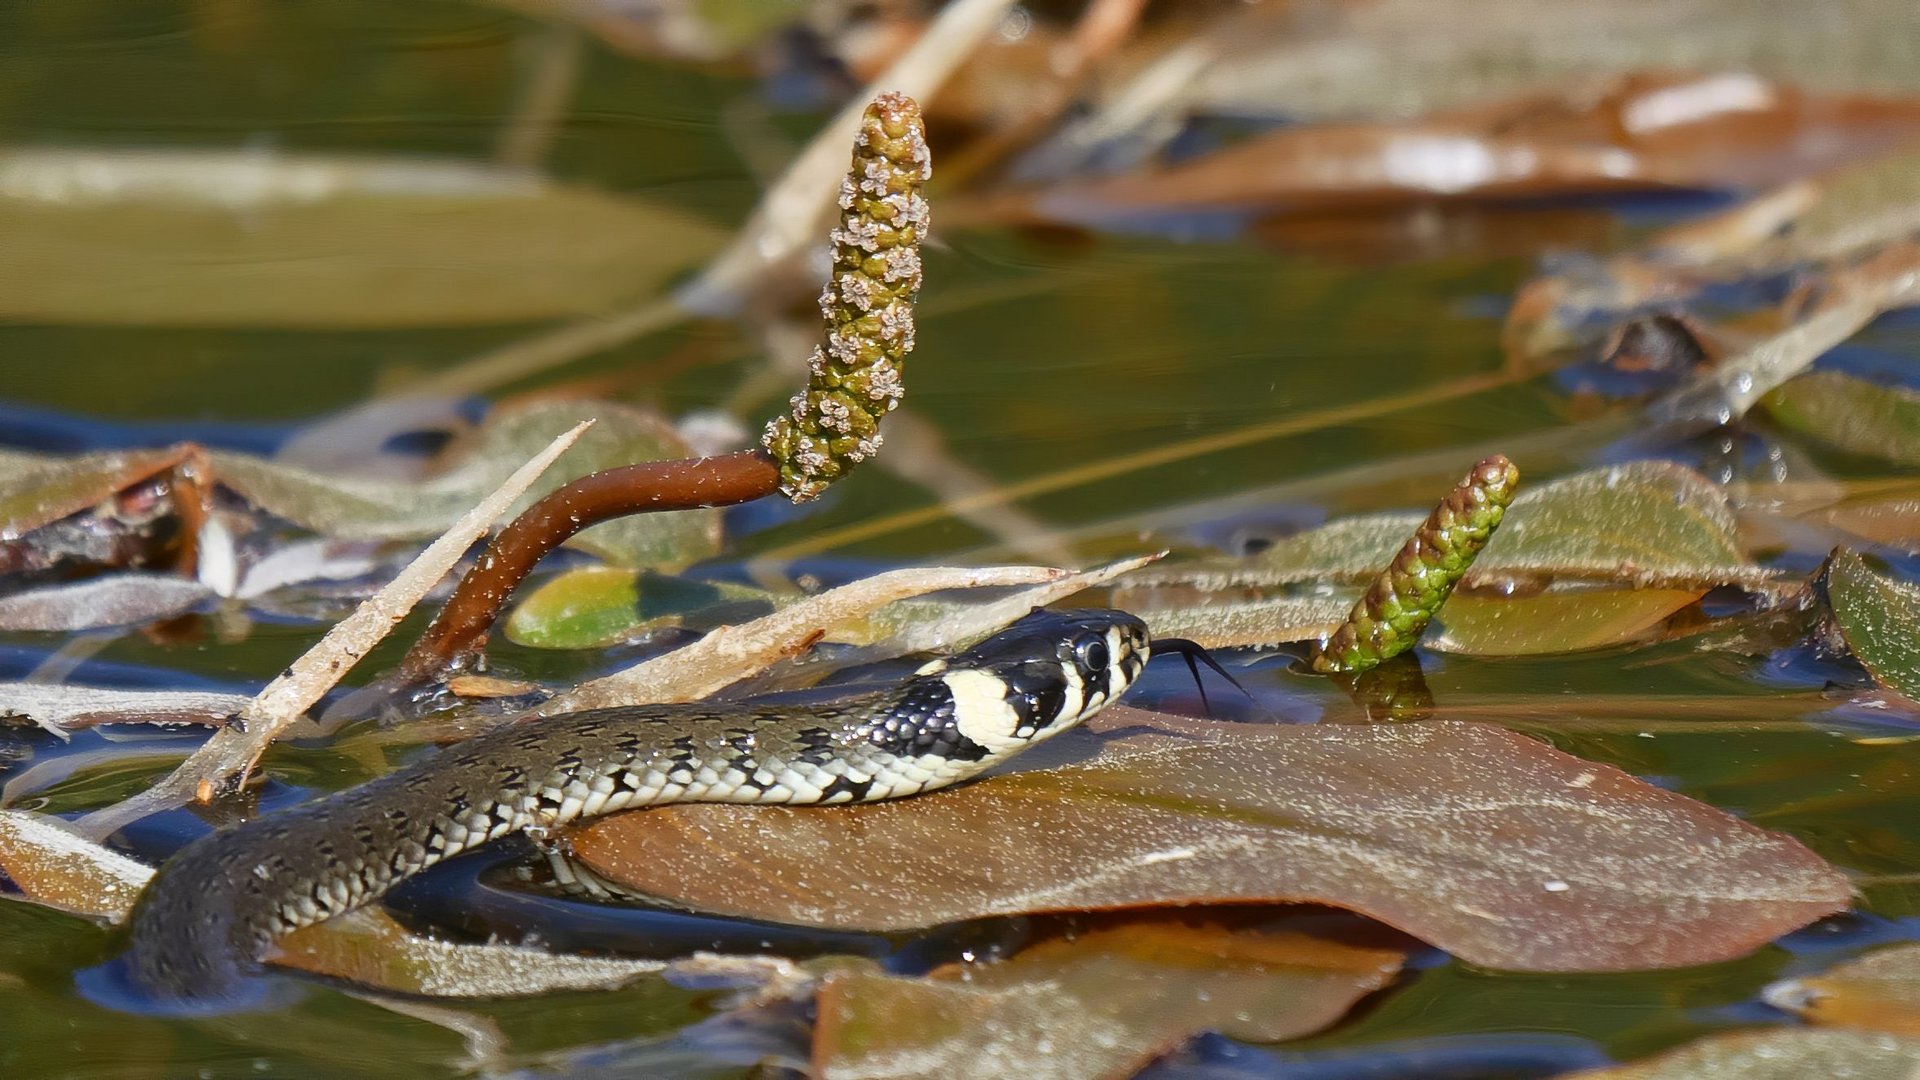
(854, 376)
(1403, 599)
(854, 380)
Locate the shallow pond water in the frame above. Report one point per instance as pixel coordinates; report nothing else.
(1141, 390)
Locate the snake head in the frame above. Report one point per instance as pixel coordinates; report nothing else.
(1043, 674)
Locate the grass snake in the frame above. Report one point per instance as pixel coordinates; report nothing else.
(215, 909)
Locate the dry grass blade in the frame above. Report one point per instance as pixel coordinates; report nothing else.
(732, 653)
(61, 709)
(227, 757)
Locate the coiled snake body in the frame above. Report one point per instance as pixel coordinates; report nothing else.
(215, 908)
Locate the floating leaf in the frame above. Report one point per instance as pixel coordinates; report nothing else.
(1879, 992)
(1099, 1005)
(1776, 1054)
(596, 606)
(382, 509)
(1852, 414)
(195, 238)
(1501, 850)
(1562, 619)
(1880, 620)
(115, 600)
(1645, 523)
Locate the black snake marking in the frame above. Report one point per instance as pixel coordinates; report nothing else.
(215, 909)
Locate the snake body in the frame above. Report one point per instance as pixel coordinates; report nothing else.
(217, 906)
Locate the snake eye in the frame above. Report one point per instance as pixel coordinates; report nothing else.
(1092, 653)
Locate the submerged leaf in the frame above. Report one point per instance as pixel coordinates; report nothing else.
(1776, 1054)
(197, 238)
(1489, 844)
(1099, 1005)
(1880, 620)
(1850, 413)
(1878, 992)
(1561, 619)
(596, 606)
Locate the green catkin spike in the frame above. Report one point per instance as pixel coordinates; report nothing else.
(1403, 599)
(854, 378)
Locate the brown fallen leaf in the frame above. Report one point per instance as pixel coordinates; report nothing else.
(1491, 845)
(1099, 1005)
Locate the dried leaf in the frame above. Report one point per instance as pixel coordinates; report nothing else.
(381, 509)
(1776, 1054)
(1850, 413)
(36, 489)
(196, 238)
(1880, 620)
(1491, 845)
(115, 600)
(1099, 1005)
(1877, 992)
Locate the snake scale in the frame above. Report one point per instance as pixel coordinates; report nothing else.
(215, 909)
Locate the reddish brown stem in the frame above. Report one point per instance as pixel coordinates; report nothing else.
(688, 484)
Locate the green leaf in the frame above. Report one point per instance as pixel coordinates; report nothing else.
(1880, 620)
(1646, 523)
(596, 606)
(1851, 414)
(1562, 619)
(198, 238)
